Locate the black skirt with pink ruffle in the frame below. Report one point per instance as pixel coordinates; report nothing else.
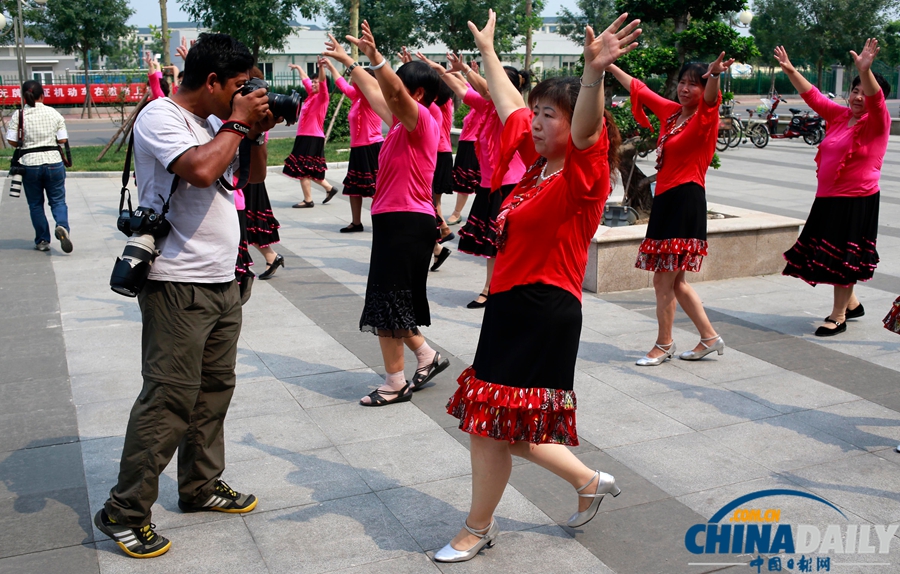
(676, 233)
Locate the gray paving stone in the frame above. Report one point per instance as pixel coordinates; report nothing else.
(408, 564)
(687, 463)
(224, 547)
(259, 398)
(385, 462)
(531, 551)
(708, 407)
(861, 423)
(81, 559)
(45, 520)
(732, 366)
(789, 392)
(295, 540)
(328, 389)
(359, 423)
(291, 432)
(39, 470)
(108, 418)
(106, 386)
(782, 443)
(638, 382)
(433, 512)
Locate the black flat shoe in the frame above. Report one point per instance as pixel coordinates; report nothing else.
(304, 204)
(450, 237)
(330, 194)
(425, 374)
(352, 228)
(273, 266)
(826, 332)
(856, 313)
(378, 400)
(441, 257)
(475, 304)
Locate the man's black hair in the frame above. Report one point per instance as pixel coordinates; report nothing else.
(882, 83)
(218, 54)
(415, 75)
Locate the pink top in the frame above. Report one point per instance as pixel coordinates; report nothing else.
(446, 123)
(365, 125)
(468, 128)
(850, 157)
(406, 167)
(487, 143)
(239, 203)
(155, 89)
(312, 114)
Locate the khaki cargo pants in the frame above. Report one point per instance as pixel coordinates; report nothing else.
(189, 350)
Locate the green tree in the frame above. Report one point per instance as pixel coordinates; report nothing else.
(395, 23)
(889, 39)
(446, 21)
(589, 12)
(82, 26)
(157, 44)
(261, 25)
(127, 55)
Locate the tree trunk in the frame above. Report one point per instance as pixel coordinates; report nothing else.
(255, 53)
(772, 72)
(164, 16)
(681, 24)
(528, 35)
(87, 82)
(819, 68)
(354, 28)
(635, 182)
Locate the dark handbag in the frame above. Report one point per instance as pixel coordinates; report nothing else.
(245, 282)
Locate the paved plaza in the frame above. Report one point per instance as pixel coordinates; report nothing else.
(349, 489)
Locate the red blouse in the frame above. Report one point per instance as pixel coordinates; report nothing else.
(547, 236)
(688, 153)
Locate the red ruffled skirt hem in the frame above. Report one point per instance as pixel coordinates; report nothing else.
(671, 254)
(501, 412)
(892, 319)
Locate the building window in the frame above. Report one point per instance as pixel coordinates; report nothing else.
(266, 68)
(311, 70)
(43, 74)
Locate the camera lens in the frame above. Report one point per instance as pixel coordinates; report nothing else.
(286, 106)
(131, 270)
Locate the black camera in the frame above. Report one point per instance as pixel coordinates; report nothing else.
(143, 226)
(282, 106)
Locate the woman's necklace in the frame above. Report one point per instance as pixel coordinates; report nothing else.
(544, 175)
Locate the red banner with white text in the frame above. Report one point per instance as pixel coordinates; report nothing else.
(74, 94)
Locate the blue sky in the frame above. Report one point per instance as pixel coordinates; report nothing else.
(147, 11)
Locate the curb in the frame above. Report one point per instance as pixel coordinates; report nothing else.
(103, 174)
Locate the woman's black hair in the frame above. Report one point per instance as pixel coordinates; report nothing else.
(218, 54)
(444, 94)
(164, 86)
(32, 91)
(882, 83)
(415, 75)
(521, 79)
(694, 71)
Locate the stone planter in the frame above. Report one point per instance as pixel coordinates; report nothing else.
(743, 244)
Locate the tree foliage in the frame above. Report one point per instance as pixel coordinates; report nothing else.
(127, 55)
(589, 12)
(446, 21)
(261, 25)
(76, 26)
(395, 23)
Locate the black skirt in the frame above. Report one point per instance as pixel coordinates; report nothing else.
(396, 300)
(262, 227)
(244, 261)
(837, 244)
(307, 159)
(443, 173)
(479, 235)
(362, 170)
(520, 386)
(466, 171)
(676, 233)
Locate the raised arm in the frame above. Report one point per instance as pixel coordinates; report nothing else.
(468, 74)
(800, 83)
(623, 78)
(399, 102)
(599, 53)
(711, 93)
(505, 96)
(321, 62)
(864, 62)
(453, 81)
(361, 79)
(340, 82)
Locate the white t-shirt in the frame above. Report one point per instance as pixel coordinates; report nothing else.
(203, 244)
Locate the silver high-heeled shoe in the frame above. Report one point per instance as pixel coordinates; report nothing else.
(718, 346)
(487, 535)
(606, 484)
(648, 361)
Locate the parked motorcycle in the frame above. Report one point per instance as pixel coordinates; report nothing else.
(806, 125)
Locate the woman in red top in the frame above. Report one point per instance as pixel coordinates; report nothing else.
(517, 398)
(837, 244)
(676, 234)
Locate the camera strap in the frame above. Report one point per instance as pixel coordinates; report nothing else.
(244, 173)
(126, 173)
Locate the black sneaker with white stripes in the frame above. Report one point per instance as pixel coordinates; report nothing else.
(136, 542)
(222, 499)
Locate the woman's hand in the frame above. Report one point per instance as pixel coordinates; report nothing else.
(611, 44)
(152, 64)
(434, 65)
(182, 50)
(718, 66)
(300, 70)
(782, 56)
(404, 55)
(865, 59)
(366, 44)
(484, 38)
(456, 63)
(336, 51)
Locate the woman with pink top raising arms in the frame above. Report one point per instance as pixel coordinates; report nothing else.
(365, 143)
(403, 222)
(466, 171)
(837, 244)
(307, 159)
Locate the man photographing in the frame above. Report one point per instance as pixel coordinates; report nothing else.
(190, 305)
